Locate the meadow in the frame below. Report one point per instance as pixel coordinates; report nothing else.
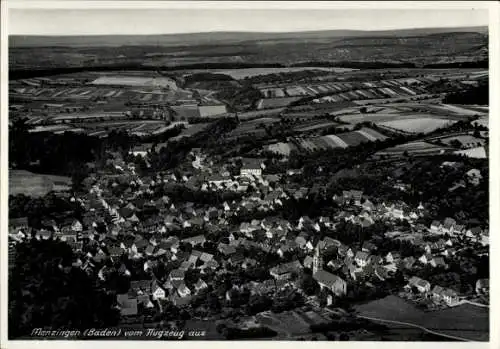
(466, 321)
(35, 185)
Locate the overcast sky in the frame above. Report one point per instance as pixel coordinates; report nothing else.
(163, 21)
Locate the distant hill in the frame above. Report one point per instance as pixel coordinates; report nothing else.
(20, 41)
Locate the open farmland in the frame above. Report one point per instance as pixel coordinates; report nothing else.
(36, 185)
(417, 125)
(465, 321)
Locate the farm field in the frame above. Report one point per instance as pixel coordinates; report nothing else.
(466, 321)
(477, 153)
(134, 81)
(482, 121)
(35, 185)
(275, 102)
(466, 140)
(341, 140)
(191, 130)
(314, 125)
(416, 125)
(260, 113)
(415, 149)
(249, 72)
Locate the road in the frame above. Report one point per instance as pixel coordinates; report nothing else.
(415, 326)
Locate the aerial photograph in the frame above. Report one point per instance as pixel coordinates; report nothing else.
(248, 174)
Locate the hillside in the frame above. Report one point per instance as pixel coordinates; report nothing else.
(219, 37)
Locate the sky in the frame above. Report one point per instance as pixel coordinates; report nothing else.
(29, 21)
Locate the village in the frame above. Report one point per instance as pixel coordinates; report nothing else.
(212, 244)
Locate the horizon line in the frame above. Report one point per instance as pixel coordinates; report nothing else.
(253, 32)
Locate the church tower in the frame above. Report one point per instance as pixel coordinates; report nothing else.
(317, 260)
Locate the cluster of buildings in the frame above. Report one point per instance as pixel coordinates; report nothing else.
(124, 216)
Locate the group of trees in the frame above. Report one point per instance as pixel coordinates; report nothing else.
(473, 95)
(45, 291)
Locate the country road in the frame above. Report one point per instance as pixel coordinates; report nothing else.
(415, 326)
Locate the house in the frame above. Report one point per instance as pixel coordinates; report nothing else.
(331, 282)
(226, 249)
(76, 226)
(362, 258)
(447, 295)
(436, 293)
(381, 272)
(474, 176)
(251, 167)
(248, 263)
(422, 286)
(356, 196)
(485, 237)
(450, 297)
(438, 262)
(308, 262)
(483, 286)
(177, 275)
(285, 271)
(301, 239)
(200, 285)
(17, 225)
(288, 246)
(473, 233)
(368, 206)
(436, 227)
(43, 234)
(408, 262)
(448, 225)
(392, 257)
(157, 292)
(195, 240)
(368, 247)
(183, 290)
(426, 258)
(128, 306)
(374, 260)
(458, 230)
(236, 258)
(140, 286)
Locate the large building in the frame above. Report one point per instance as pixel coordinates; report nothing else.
(331, 282)
(251, 167)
